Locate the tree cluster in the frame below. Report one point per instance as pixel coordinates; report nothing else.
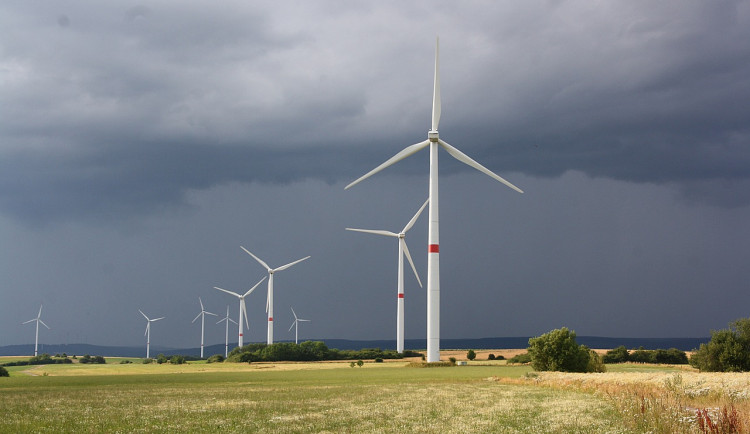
(672, 356)
(728, 350)
(4, 372)
(88, 359)
(557, 350)
(42, 359)
(307, 351)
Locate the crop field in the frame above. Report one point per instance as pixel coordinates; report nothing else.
(334, 397)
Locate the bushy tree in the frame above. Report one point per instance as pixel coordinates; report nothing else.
(491, 357)
(557, 350)
(728, 350)
(177, 359)
(4, 372)
(471, 355)
(216, 358)
(161, 358)
(617, 355)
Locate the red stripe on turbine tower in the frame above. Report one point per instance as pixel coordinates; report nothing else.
(270, 319)
(434, 248)
(401, 296)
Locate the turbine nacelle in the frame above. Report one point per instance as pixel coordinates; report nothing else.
(433, 135)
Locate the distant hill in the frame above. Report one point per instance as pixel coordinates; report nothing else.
(685, 344)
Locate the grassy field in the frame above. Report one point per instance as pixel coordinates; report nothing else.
(378, 397)
(314, 397)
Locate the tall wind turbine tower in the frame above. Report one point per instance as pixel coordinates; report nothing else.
(38, 320)
(202, 316)
(243, 309)
(269, 299)
(403, 250)
(148, 332)
(433, 256)
(226, 332)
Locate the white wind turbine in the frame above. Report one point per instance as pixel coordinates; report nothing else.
(295, 324)
(202, 316)
(38, 320)
(148, 332)
(433, 248)
(226, 333)
(243, 309)
(403, 250)
(269, 299)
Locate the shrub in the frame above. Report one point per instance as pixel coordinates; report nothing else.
(125, 362)
(379, 360)
(452, 360)
(360, 363)
(557, 350)
(491, 357)
(520, 358)
(88, 359)
(4, 372)
(177, 359)
(161, 358)
(617, 355)
(216, 358)
(728, 350)
(147, 361)
(471, 355)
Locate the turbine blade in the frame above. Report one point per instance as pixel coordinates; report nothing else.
(408, 257)
(209, 313)
(144, 315)
(244, 312)
(292, 326)
(253, 288)
(416, 216)
(44, 324)
(409, 150)
(268, 299)
(284, 267)
(294, 313)
(436, 92)
(222, 320)
(26, 322)
(157, 319)
(460, 156)
(148, 326)
(256, 258)
(201, 302)
(308, 320)
(40, 312)
(231, 320)
(228, 292)
(199, 315)
(374, 231)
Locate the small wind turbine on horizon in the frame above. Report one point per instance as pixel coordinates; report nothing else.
(148, 332)
(295, 324)
(403, 250)
(38, 320)
(226, 332)
(269, 298)
(243, 309)
(433, 257)
(202, 316)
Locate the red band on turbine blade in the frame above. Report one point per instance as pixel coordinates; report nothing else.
(401, 296)
(434, 248)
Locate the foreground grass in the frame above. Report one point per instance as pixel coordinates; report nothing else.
(321, 397)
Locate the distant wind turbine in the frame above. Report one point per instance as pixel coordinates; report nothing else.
(202, 316)
(403, 250)
(295, 324)
(148, 332)
(226, 333)
(38, 320)
(433, 248)
(269, 299)
(243, 309)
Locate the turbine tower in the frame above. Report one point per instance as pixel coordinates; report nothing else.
(148, 332)
(295, 324)
(226, 333)
(403, 250)
(38, 320)
(433, 256)
(269, 299)
(243, 310)
(202, 316)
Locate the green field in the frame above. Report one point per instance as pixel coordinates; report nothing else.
(311, 397)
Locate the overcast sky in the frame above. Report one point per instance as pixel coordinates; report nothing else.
(141, 144)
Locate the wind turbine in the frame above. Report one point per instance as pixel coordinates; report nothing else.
(269, 299)
(202, 316)
(148, 332)
(38, 320)
(295, 324)
(243, 309)
(433, 248)
(226, 337)
(402, 250)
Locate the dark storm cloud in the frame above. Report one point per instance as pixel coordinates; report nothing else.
(129, 96)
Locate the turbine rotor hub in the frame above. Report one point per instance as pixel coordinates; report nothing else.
(433, 135)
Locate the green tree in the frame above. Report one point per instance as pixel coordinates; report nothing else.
(4, 372)
(471, 355)
(360, 363)
(161, 358)
(728, 349)
(557, 350)
(616, 355)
